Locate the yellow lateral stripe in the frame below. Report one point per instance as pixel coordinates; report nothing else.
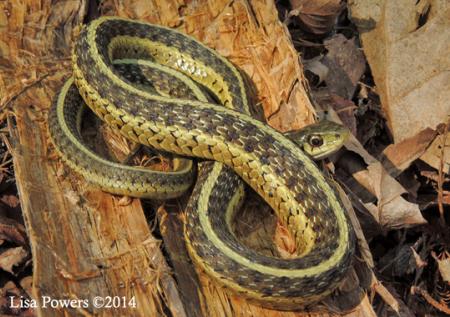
(73, 139)
(212, 236)
(339, 213)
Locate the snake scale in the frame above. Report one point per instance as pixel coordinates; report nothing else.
(143, 80)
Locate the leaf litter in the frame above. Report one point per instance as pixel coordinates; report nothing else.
(373, 65)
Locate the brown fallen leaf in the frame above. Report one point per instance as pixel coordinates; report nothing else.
(386, 295)
(27, 284)
(431, 175)
(439, 305)
(317, 17)
(399, 261)
(443, 261)
(406, 44)
(346, 64)
(446, 197)
(10, 200)
(420, 263)
(398, 157)
(11, 293)
(407, 47)
(391, 209)
(439, 149)
(365, 309)
(10, 290)
(12, 257)
(12, 231)
(363, 245)
(345, 108)
(315, 66)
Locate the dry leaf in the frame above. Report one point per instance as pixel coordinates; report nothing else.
(318, 16)
(346, 64)
(345, 108)
(398, 157)
(407, 46)
(444, 265)
(363, 246)
(365, 309)
(10, 200)
(13, 294)
(446, 197)
(10, 290)
(392, 210)
(399, 261)
(433, 154)
(441, 305)
(386, 295)
(27, 284)
(419, 262)
(12, 231)
(12, 257)
(434, 176)
(316, 67)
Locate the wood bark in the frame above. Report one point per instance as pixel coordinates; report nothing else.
(86, 243)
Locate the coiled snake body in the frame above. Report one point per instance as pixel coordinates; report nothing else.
(186, 121)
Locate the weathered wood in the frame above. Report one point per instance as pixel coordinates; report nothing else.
(171, 227)
(84, 242)
(250, 34)
(86, 245)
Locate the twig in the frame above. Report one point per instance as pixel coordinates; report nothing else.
(443, 135)
(385, 294)
(438, 305)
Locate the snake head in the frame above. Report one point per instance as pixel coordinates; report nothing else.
(321, 139)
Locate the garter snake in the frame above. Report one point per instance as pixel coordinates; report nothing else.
(195, 125)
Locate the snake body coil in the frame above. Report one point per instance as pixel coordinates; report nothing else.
(273, 165)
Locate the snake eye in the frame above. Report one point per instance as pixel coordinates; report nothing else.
(315, 140)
